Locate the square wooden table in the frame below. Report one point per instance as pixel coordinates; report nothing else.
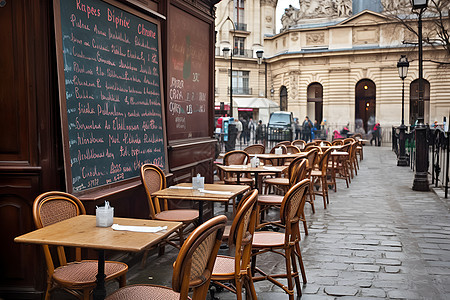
(81, 231)
(184, 191)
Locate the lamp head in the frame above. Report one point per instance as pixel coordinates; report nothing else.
(403, 65)
(226, 52)
(259, 55)
(419, 4)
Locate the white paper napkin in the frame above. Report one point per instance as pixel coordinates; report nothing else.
(138, 228)
(271, 168)
(181, 187)
(215, 192)
(237, 166)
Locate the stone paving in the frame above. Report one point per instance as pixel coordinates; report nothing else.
(377, 239)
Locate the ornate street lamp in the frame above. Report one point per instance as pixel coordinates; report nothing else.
(226, 52)
(259, 56)
(421, 176)
(402, 66)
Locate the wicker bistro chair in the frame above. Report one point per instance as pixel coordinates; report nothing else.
(297, 172)
(153, 179)
(237, 268)
(337, 142)
(237, 157)
(285, 143)
(340, 167)
(255, 149)
(287, 243)
(191, 270)
(299, 143)
(319, 176)
(312, 157)
(77, 277)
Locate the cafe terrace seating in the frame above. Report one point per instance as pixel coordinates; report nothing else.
(236, 268)
(312, 156)
(340, 166)
(191, 270)
(284, 143)
(77, 277)
(153, 179)
(285, 244)
(297, 171)
(237, 157)
(337, 142)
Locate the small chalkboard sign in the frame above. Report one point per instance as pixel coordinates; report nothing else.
(110, 91)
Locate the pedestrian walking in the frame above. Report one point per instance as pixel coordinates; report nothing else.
(239, 130)
(251, 129)
(259, 132)
(376, 135)
(306, 129)
(244, 135)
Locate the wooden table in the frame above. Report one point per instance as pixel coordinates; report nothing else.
(238, 169)
(278, 159)
(184, 191)
(81, 231)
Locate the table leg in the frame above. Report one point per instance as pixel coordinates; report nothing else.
(99, 292)
(200, 212)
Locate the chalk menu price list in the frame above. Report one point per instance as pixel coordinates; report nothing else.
(113, 94)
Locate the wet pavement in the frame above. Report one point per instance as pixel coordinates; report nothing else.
(377, 239)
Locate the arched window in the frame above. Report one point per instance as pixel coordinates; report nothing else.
(315, 102)
(283, 98)
(414, 101)
(365, 94)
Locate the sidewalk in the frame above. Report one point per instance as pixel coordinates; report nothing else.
(378, 239)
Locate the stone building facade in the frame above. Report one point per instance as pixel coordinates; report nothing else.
(337, 61)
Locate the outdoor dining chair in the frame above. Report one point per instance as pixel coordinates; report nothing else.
(237, 157)
(284, 243)
(236, 268)
(319, 177)
(191, 270)
(255, 149)
(299, 143)
(153, 179)
(77, 277)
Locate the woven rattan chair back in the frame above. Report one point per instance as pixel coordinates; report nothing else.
(312, 157)
(323, 162)
(349, 140)
(195, 261)
(153, 179)
(255, 149)
(283, 149)
(292, 149)
(337, 142)
(299, 143)
(285, 143)
(357, 136)
(293, 204)
(297, 170)
(236, 157)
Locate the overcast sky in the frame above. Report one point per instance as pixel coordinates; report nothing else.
(282, 4)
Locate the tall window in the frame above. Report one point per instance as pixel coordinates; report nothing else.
(283, 98)
(241, 82)
(238, 12)
(239, 46)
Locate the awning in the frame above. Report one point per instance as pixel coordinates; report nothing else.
(254, 103)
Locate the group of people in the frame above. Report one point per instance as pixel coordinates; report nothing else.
(308, 131)
(246, 129)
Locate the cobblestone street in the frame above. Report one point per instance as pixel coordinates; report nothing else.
(377, 239)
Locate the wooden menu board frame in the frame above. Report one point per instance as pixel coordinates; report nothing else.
(152, 120)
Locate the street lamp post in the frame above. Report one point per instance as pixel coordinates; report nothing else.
(421, 176)
(259, 56)
(402, 66)
(226, 52)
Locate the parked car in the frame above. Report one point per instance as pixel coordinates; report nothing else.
(281, 126)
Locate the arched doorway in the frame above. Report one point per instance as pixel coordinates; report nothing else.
(283, 98)
(315, 102)
(414, 101)
(365, 93)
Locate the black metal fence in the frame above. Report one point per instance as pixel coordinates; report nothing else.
(438, 142)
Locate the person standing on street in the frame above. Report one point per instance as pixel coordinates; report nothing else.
(239, 130)
(306, 129)
(251, 129)
(258, 132)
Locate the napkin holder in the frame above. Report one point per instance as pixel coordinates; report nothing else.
(198, 183)
(253, 162)
(104, 215)
(278, 151)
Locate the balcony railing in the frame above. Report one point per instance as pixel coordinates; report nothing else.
(240, 91)
(241, 26)
(242, 53)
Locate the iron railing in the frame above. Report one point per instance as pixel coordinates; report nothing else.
(240, 91)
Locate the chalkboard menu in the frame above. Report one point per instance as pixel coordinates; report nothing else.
(110, 90)
(188, 76)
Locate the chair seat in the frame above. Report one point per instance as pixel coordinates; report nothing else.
(277, 181)
(180, 215)
(224, 265)
(270, 199)
(316, 173)
(144, 292)
(264, 239)
(83, 274)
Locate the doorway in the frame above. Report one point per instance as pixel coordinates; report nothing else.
(315, 102)
(365, 114)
